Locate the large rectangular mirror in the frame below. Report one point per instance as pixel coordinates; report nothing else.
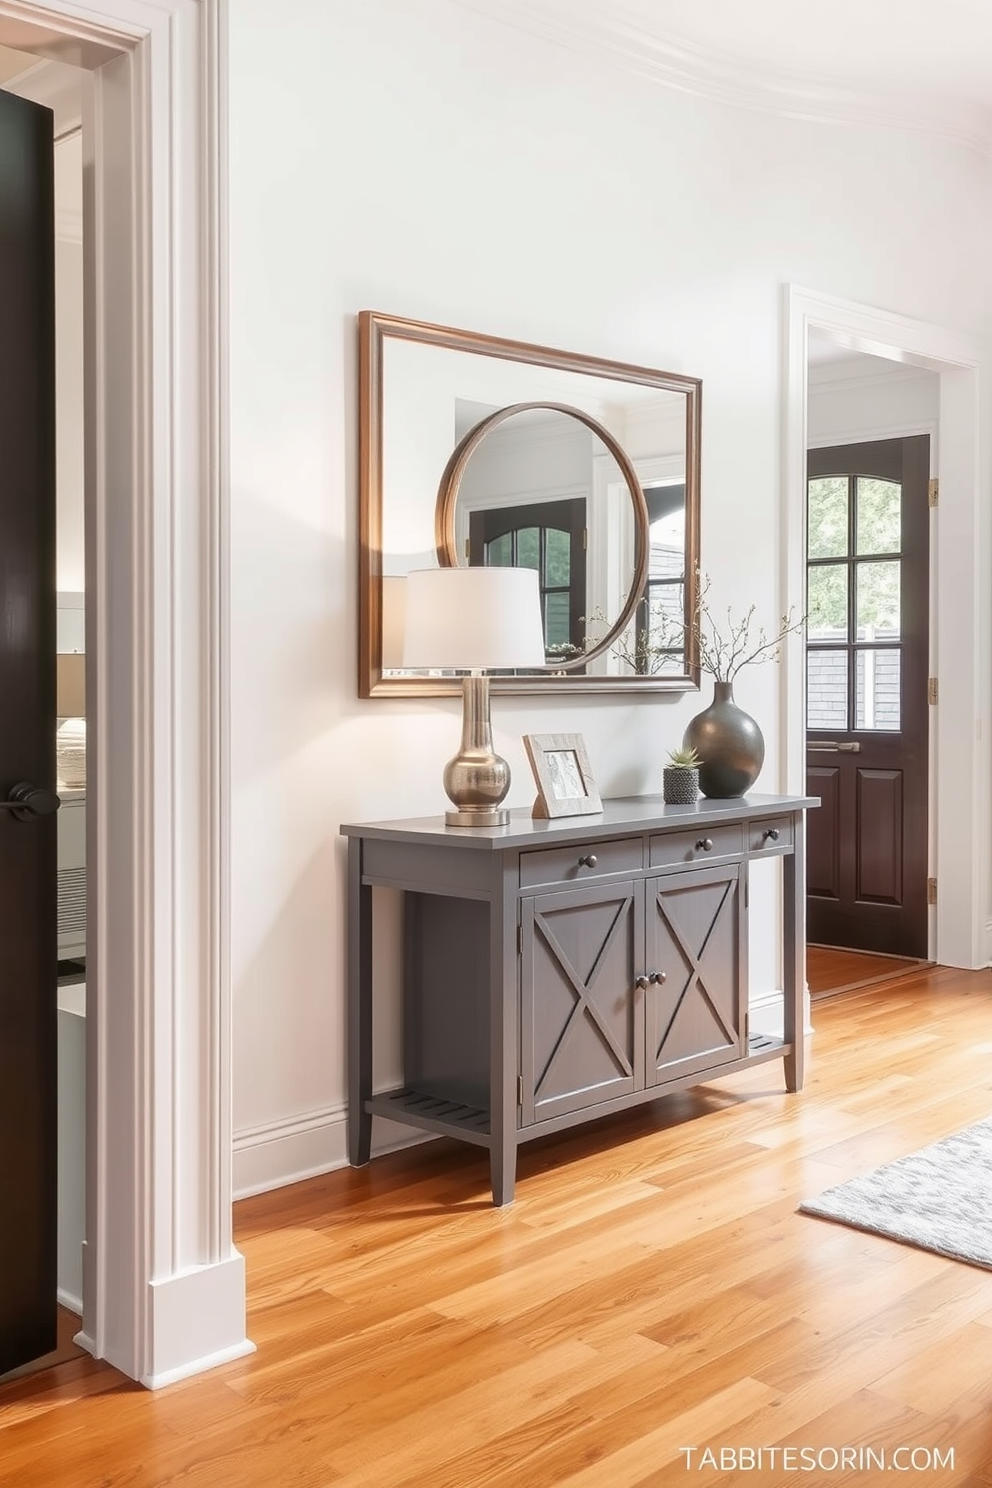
(546, 486)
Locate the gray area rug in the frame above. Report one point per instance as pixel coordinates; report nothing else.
(939, 1198)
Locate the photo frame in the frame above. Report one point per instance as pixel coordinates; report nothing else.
(565, 783)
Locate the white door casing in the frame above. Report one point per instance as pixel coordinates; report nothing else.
(960, 625)
(163, 1287)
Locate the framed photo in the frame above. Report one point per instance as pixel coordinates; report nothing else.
(565, 786)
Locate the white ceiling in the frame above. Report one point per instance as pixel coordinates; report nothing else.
(913, 64)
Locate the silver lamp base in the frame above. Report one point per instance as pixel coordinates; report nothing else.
(477, 779)
(485, 816)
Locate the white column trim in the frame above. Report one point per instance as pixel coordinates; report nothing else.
(163, 1287)
(960, 622)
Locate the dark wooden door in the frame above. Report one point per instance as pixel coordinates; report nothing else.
(28, 931)
(551, 537)
(580, 1040)
(867, 704)
(695, 956)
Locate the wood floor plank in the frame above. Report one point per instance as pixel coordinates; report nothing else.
(652, 1287)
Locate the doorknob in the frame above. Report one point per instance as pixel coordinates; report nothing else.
(28, 801)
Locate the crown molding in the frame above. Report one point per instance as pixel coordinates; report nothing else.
(608, 34)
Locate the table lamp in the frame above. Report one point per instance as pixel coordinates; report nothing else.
(475, 620)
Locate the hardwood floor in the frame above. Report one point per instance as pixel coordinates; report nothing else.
(651, 1289)
(831, 970)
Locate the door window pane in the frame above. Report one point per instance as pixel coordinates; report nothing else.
(556, 619)
(529, 547)
(827, 516)
(878, 520)
(826, 690)
(877, 600)
(499, 552)
(876, 681)
(557, 557)
(827, 602)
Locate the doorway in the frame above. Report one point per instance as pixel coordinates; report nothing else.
(960, 576)
(163, 1287)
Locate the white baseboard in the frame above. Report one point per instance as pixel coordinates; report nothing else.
(283, 1152)
(68, 1300)
(767, 1013)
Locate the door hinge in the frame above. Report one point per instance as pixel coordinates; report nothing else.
(933, 492)
(747, 1031)
(931, 891)
(520, 940)
(467, 553)
(585, 537)
(520, 1090)
(931, 690)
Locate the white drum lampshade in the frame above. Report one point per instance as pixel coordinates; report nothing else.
(473, 619)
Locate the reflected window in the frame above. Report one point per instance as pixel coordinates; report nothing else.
(550, 537)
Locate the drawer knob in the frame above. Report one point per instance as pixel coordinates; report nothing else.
(771, 833)
(705, 844)
(642, 982)
(589, 861)
(657, 977)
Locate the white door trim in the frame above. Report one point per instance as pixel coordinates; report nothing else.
(959, 623)
(163, 1287)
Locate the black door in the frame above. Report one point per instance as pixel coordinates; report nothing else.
(28, 933)
(866, 681)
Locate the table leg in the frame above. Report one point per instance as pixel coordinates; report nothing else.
(359, 1008)
(503, 1040)
(794, 916)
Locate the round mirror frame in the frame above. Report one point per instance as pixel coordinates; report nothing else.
(447, 495)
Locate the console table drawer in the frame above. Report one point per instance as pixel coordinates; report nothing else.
(699, 845)
(571, 865)
(774, 834)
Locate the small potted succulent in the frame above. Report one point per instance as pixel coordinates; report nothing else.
(680, 777)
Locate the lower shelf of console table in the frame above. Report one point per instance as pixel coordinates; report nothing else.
(558, 971)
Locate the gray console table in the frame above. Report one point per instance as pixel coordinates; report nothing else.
(556, 971)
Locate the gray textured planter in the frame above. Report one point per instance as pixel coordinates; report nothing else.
(679, 785)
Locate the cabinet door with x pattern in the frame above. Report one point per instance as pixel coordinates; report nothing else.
(580, 1041)
(694, 925)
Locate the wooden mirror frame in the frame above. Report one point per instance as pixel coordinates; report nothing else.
(374, 329)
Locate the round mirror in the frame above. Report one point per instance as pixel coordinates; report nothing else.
(524, 502)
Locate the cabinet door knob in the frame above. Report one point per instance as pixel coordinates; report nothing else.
(589, 861)
(642, 982)
(705, 844)
(772, 833)
(657, 977)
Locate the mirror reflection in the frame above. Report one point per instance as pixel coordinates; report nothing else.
(541, 489)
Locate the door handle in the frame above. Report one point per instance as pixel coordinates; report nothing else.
(28, 801)
(832, 748)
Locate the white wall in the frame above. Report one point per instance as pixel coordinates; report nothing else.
(865, 398)
(418, 159)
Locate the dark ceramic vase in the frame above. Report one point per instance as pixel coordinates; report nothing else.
(729, 743)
